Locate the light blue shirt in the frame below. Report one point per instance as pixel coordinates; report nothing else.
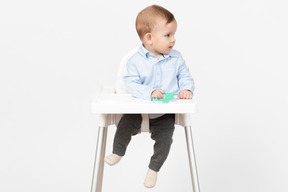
(146, 73)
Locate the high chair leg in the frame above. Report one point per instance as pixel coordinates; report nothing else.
(99, 160)
(192, 159)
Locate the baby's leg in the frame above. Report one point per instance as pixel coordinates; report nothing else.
(162, 130)
(129, 125)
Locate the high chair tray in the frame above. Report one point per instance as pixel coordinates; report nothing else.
(107, 101)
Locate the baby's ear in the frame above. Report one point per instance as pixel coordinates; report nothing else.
(148, 38)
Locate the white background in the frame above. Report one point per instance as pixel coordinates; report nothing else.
(55, 54)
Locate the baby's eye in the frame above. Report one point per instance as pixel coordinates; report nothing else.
(168, 35)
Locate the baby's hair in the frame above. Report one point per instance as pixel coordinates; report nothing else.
(145, 20)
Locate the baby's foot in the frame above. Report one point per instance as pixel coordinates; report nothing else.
(151, 178)
(112, 159)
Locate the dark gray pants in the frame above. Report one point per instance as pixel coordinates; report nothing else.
(161, 129)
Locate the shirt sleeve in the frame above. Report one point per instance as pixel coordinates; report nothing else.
(185, 79)
(134, 85)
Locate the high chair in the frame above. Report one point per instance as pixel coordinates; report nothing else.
(110, 103)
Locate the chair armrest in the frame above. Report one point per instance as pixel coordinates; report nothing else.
(101, 92)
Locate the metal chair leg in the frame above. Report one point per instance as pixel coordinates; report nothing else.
(99, 160)
(192, 159)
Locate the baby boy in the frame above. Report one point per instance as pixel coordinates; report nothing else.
(154, 70)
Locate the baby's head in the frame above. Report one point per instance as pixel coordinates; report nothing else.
(156, 27)
(146, 19)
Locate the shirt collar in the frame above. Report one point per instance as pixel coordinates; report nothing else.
(145, 53)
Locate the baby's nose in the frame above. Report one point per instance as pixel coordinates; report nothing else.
(173, 39)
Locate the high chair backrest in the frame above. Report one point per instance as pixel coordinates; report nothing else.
(120, 86)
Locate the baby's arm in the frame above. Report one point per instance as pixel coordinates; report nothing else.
(185, 81)
(134, 83)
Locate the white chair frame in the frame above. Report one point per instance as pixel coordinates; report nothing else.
(105, 120)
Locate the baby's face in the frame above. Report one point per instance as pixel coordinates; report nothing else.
(162, 37)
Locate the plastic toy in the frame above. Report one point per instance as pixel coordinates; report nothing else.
(166, 99)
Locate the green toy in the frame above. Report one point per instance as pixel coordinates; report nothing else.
(166, 99)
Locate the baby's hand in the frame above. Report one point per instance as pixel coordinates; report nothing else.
(185, 94)
(158, 93)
